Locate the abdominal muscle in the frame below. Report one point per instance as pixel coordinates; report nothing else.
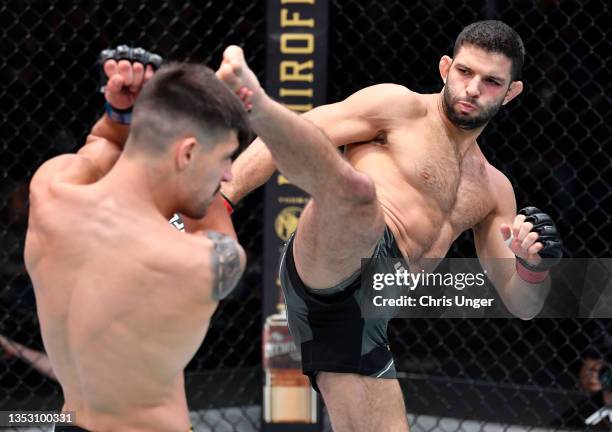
(421, 228)
(420, 231)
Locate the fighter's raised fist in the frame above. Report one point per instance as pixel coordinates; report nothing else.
(534, 239)
(124, 70)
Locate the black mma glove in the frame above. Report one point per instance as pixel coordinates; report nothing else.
(119, 101)
(548, 235)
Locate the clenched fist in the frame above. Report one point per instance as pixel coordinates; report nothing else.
(124, 71)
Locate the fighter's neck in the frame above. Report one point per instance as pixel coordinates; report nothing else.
(140, 183)
(463, 139)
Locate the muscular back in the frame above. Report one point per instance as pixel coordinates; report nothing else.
(124, 302)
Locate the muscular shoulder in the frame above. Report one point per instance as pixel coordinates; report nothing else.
(389, 99)
(220, 262)
(502, 191)
(68, 168)
(499, 182)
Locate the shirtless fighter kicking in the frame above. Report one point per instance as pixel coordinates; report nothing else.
(413, 180)
(124, 299)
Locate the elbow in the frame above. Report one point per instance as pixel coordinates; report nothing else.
(525, 316)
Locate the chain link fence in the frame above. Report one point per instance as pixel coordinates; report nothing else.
(551, 142)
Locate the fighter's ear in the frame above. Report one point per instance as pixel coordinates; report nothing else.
(515, 89)
(444, 66)
(184, 151)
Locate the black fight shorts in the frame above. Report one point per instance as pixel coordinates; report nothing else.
(329, 329)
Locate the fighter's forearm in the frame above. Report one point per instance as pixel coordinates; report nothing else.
(250, 170)
(40, 362)
(37, 359)
(300, 150)
(109, 130)
(524, 299)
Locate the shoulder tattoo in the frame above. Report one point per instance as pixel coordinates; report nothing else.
(225, 264)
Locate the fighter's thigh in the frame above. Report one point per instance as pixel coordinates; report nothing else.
(332, 238)
(363, 404)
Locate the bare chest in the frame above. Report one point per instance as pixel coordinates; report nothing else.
(455, 186)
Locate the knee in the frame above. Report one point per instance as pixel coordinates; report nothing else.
(356, 188)
(331, 383)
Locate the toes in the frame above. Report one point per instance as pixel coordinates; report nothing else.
(237, 66)
(226, 74)
(235, 56)
(235, 52)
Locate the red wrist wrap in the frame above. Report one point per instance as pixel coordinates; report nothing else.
(228, 206)
(530, 276)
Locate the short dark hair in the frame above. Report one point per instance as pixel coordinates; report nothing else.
(185, 98)
(494, 36)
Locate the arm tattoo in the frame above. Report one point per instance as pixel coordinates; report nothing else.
(225, 263)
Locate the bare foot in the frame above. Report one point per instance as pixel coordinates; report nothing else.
(235, 72)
